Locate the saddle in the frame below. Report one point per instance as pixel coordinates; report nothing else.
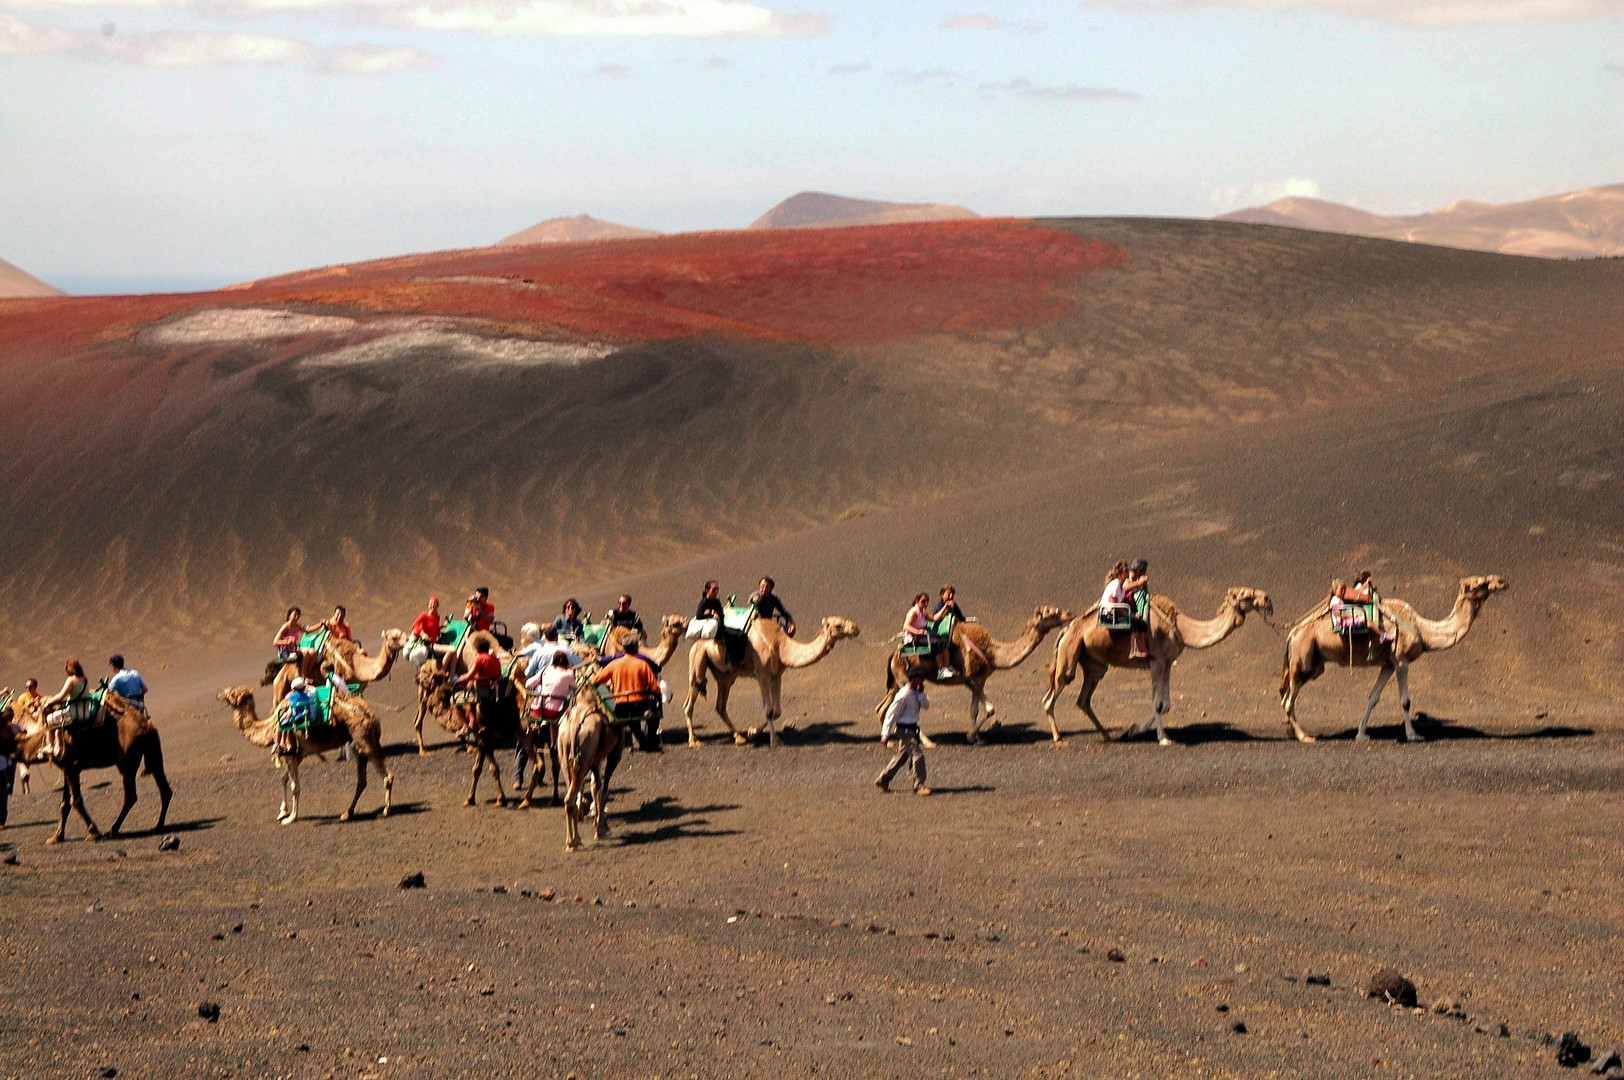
(632, 709)
(1354, 619)
(1117, 618)
(937, 637)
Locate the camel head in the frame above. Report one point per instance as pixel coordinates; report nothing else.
(1479, 589)
(393, 641)
(1245, 600)
(1046, 617)
(241, 700)
(837, 627)
(672, 627)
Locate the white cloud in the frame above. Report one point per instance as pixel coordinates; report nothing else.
(972, 22)
(372, 59)
(718, 63)
(1613, 69)
(1237, 196)
(1062, 92)
(191, 50)
(850, 69)
(927, 77)
(1415, 12)
(613, 71)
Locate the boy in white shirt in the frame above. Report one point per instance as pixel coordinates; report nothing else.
(902, 724)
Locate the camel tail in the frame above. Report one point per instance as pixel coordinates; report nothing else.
(1285, 671)
(152, 757)
(272, 667)
(890, 675)
(699, 680)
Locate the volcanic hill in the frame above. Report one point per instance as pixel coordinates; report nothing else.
(1012, 405)
(15, 282)
(574, 230)
(817, 210)
(1576, 224)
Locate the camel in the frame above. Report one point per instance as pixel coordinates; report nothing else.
(123, 740)
(590, 745)
(354, 722)
(1096, 650)
(769, 654)
(497, 727)
(353, 665)
(976, 655)
(1311, 646)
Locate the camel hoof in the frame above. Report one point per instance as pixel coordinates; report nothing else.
(1310, 738)
(692, 741)
(499, 801)
(1414, 738)
(93, 835)
(739, 740)
(524, 804)
(571, 845)
(468, 801)
(1362, 737)
(1164, 741)
(289, 820)
(54, 840)
(422, 751)
(345, 816)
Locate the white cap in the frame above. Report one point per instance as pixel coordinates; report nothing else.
(298, 684)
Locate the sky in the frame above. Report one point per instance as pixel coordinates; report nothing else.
(188, 143)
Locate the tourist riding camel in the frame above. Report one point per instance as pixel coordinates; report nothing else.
(1095, 647)
(119, 736)
(1317, 641)
(349, 720)
(977, 656)
(769, 653)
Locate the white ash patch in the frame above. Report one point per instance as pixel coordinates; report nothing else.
(463, 349)
(216, 326)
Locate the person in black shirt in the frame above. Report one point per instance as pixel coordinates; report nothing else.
(568, 624)
(768, 606)
(623, 615)
(710, 602)
(948, 605)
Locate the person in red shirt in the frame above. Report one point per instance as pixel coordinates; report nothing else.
(486, 672)
(479, 611)
(427, 628)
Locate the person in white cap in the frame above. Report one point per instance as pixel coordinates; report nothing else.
(296, 710)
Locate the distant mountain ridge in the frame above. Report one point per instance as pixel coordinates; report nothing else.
(1583, 224)
(15, 282)
(819, 210)
(574, 230)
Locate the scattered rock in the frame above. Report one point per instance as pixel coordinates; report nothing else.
(548, 895)
(1116, 956)
(1570, 1051)
(237, 929)
(1238, 1027)
(11, 860)
(209, 1011)
(1389, 985)
(499, 889)
(1449, 1007)
(169, 843)
(108, 1072)
(1607, 1063)
(1318, 980)
(412, 881)
(219, 937)
(1222, 1007)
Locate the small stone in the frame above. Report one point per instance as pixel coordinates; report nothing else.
(1607, 1063)
(1238, 1027)
(1116, 956)
(548, 894)
(499, 889)
(1389, 985)
(237, 929)
(1318, 980)
(487, 991)
(209, 1011)
(219, 937)
(1500, 1030)
(1222, 1007)
(11, 860)
(108, 1072)
(1570, 1051)
(169, 843)
(412, 881)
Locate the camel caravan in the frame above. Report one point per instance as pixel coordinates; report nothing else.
(577, 694)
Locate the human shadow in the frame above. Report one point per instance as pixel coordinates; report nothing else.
(670, 820)
(964, 789)
(1440, 729)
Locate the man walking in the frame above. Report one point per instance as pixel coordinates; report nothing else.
(902, 724)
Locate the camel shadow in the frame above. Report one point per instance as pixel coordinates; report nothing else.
(400, 809)
(193, 826)
(824, 732)
(964, 789)
(1440, 729)
(1212, 731)
(675, 821)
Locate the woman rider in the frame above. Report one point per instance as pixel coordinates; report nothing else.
(568, 624)
(56, 709)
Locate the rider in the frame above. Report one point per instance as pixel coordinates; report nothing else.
(916, 633)
(634, 685)
(552, 686)
(427, 628)
(338, 625)
(298, 709)
(710, 607)
(549, 647)
(23, 702)
(623, 615)
(127, 683)
(1115, 598)
(568, 624)
(287, 638)
(479, 611)
(768, 606)
(56, 709)
(1137, 587)
(949, 605)
(486, 672)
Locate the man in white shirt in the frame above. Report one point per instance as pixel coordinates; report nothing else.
(901, 724)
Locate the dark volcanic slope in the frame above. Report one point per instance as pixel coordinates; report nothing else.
(180, 480)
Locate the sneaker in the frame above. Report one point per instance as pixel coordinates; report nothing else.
(922, 791)
(946, 673)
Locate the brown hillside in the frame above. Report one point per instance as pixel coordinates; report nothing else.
(581, 228)
(15, 282)
(817, 210)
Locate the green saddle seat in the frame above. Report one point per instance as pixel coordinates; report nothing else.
(313, 640)
(593, 634)
(737, 618)
(939, 635)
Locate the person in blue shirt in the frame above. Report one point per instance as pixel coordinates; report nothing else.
(569, 623)
(127, 682)
(298, 709)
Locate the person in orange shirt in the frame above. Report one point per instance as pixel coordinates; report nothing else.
(479, 611)
(634, 684)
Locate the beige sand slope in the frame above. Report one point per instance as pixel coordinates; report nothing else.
(816, 210)
(17, 282)
(573, 230)
(1578, 224)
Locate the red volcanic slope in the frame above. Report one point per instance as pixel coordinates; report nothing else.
(827, 286)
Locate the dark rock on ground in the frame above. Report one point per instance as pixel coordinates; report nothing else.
(209, 1011)
(169, 843)
(1116, 956)
(1607, 1062)
(1570, 1051)
(1318, 980)
(412, 881)
(1389, 985)
(1238, 1027)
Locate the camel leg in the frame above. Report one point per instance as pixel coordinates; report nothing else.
(529, 743)
(417, 724)
(1404, 703)
(600, 799)
(473, 790)
(1295, 681)
(496, 778)
(1370, 705)
(769, 708)
(282, 811)
(155, 768)
(79, 805)
(375, 754)
(723, 689)
(292, 764)
(129, 793)
(67, 808)
(1161, 693)
(975, 715)
(572, 808)
(360, 786)
(552, 752)
(1085, 700)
